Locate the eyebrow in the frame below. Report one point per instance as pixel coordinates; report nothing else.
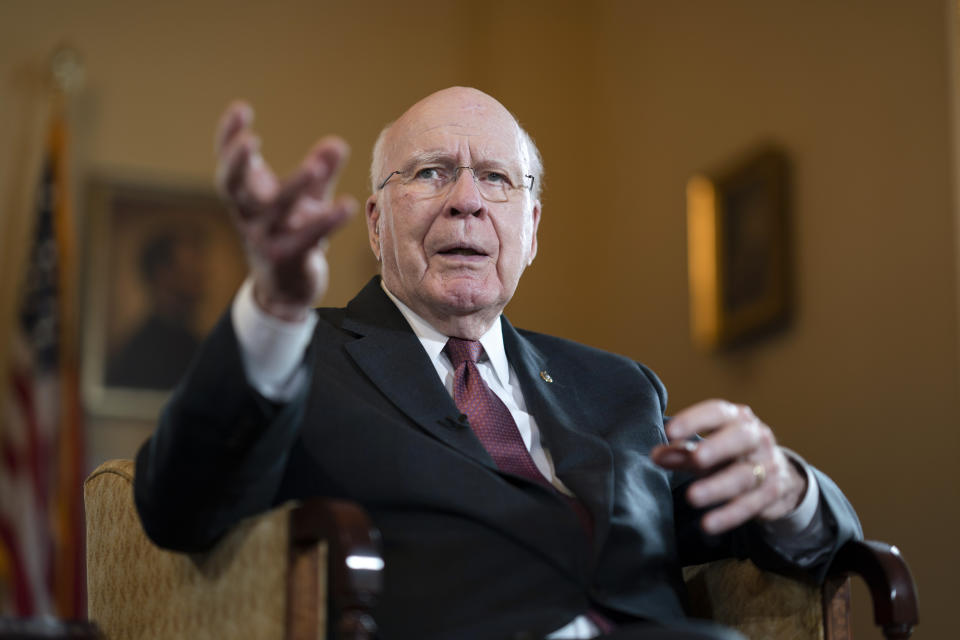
(426, 157)
(444, 157)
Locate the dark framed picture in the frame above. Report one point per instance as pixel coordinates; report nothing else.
(162, 264)
(738, 250)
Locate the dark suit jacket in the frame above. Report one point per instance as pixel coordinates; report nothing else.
(470, 552)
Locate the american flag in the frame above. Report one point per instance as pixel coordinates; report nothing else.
(41, 448)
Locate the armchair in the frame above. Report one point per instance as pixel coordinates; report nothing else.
(298, 571)
(313, 570)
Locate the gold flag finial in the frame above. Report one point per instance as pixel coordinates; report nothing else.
(66, 69)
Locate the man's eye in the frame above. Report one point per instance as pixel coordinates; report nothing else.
(495, 177)
(427, 173)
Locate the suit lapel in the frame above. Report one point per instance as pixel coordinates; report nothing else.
(390, 354)
(388, 351)
(582, 460)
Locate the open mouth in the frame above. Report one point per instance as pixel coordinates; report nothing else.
(462, 250)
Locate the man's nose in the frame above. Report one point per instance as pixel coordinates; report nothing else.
(465, 194)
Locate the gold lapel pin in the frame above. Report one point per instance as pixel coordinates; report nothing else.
(546, 376)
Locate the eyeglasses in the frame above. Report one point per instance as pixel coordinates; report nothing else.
(433, 180)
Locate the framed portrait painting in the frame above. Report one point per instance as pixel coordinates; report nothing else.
(162, 264)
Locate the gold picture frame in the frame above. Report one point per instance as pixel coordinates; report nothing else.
(162, 264)
(738, 250)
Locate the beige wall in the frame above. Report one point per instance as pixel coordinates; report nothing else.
(626, 100)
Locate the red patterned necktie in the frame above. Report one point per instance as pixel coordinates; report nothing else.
(489, 417)
(497, 431)
(492, 423)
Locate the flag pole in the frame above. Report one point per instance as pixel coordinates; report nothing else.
(69, 583)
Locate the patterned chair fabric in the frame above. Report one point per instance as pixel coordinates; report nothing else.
(137, 590)
(757, 603)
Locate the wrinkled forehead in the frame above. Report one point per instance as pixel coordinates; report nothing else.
(469, 131)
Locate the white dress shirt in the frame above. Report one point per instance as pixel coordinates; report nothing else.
(272, 353)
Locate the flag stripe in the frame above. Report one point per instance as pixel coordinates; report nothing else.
(22, 600)
(41, 466)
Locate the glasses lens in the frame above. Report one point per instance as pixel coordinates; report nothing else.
(492, 191)
(428, 185)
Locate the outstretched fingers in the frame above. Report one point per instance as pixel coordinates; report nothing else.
(314, 221)
(284, 223)
(234, 166)
(235, 118)
(315, 178)
(242, 177)
(330, 154)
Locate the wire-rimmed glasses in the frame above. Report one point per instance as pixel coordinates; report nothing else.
(429, 181)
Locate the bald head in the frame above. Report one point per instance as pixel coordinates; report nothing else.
(448, 107)
(453, 248)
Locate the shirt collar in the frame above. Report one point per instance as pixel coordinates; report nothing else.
(434, 341)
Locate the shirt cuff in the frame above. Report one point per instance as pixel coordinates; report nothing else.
(272, 349)
(580, 627)
(798, 522)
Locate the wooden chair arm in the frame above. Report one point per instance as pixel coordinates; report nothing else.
(355, 568)
(888, 577)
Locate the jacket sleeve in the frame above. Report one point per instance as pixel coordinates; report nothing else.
(838, 524)
(218, 453)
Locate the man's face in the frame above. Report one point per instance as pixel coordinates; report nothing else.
(455, 254)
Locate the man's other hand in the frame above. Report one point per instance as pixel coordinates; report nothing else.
(744, 474)
(284, 222)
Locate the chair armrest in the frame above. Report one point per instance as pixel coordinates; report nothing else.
(888, 577)
(355, 567)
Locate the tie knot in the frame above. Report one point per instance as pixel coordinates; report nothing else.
(460, 351)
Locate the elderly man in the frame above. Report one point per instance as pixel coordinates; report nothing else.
(524, 485)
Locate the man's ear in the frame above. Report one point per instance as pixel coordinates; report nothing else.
(373, 225)
(533, 236)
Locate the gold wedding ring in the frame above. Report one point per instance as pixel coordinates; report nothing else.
(759, 475)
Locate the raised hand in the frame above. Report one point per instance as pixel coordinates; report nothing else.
(745, 475)
(284, 222)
